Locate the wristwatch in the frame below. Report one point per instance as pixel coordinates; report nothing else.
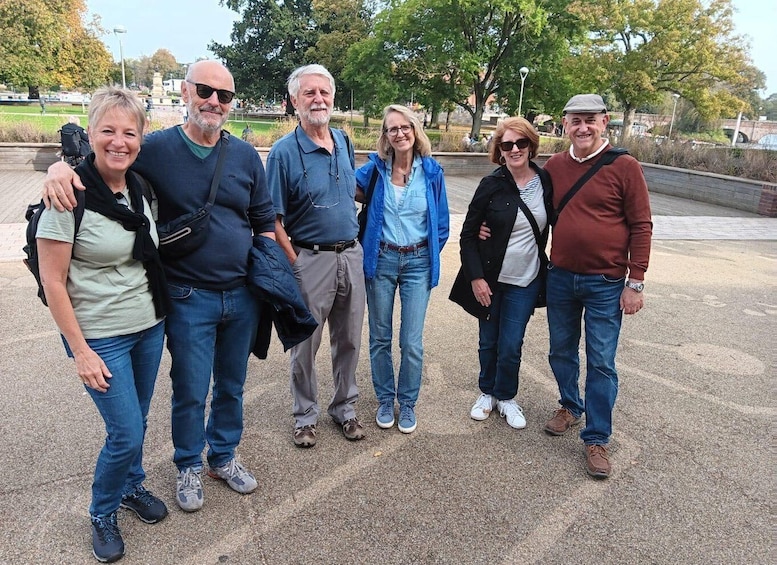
(635, 285)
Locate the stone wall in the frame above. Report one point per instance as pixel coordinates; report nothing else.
(732, 192)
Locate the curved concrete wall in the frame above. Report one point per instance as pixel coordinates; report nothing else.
(733, 192)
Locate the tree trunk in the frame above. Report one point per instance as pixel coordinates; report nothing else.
(33, 92)
(628, 119)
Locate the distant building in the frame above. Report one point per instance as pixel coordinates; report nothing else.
(172, 85)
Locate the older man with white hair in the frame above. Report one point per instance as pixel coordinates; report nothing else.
(310, 173)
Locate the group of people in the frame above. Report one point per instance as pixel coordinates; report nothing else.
(305, 203)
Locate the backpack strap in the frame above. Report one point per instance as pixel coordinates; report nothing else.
(607, 158)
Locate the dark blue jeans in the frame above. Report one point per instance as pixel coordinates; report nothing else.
(594, 299)
(133, 360)
(501, 338)
(209, 332)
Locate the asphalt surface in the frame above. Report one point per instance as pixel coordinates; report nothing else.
(692, 448)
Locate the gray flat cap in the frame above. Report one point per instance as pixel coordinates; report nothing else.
(585, 104)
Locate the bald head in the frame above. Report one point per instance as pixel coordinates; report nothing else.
(202, 70)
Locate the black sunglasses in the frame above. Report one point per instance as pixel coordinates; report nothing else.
(204, 91)
(519, 143)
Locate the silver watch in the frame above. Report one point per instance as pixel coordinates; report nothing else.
(635, 286)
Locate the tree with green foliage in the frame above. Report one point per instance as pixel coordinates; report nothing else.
(269, 42)
(45, 44)
(640, 49)
(448, 50)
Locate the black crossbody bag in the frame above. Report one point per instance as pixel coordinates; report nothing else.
(186, 233)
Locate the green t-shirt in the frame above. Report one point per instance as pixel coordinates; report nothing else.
(109, 289)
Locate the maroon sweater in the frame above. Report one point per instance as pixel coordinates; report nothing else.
(606, 227)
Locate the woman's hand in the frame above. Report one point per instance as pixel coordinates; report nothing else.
(482, 292)
(92, 370)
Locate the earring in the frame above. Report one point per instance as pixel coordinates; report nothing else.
(502, 160)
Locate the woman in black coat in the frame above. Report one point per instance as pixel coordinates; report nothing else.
(502, 276)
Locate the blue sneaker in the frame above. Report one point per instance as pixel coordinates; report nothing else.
(107, 544)
(407, 423)
(385, 417)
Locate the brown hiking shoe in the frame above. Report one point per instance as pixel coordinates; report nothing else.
(561, 421)
(305, 436)
(597, 461)
(353, 430)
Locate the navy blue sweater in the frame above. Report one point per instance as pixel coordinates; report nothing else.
(243, 205)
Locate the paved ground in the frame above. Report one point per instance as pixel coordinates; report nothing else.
(692, 445)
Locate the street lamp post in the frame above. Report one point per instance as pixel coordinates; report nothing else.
(118, 30)
(671, 124)
(524, 71)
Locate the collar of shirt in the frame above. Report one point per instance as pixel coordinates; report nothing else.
(605, 143)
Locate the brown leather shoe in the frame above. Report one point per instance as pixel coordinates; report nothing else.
(561, 421)
(305, 436)
(353, 430)
(597, 461)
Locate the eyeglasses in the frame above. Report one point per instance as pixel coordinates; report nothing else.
(204, 91)
(522, 143)
(393, 132)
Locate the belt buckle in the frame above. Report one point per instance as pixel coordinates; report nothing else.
(340, 246)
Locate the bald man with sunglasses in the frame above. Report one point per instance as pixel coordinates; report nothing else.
(214, 319)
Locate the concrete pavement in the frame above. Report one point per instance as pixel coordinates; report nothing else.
(692, 443)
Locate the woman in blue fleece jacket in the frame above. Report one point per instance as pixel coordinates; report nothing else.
(407, 227)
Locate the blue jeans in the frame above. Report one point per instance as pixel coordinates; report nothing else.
(133, 360)
(594, 299)
(411, 272)
(209, 332)
(501, 338)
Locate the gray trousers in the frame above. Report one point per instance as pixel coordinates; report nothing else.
(332, 285)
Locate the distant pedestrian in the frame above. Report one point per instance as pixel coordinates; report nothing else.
(42, 102)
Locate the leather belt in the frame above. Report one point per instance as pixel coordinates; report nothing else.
(404, 248)
(338, 247)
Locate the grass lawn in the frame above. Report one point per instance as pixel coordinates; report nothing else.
(56, 116)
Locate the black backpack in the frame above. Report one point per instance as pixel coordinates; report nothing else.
(32, 216)
(71, 140)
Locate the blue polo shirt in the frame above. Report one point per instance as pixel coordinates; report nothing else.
(313, 189)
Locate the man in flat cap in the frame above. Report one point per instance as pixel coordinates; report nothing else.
(599, 255)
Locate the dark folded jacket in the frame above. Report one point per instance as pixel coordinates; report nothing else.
(271, 279)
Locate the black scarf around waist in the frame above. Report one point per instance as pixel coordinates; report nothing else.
(100, 199)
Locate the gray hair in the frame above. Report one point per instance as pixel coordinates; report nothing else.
(315, 69)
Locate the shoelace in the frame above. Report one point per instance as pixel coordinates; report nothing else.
(484, 403)
(406, 412)
(191, 483)
(234, 469)
(143, 496)
(308, 428)
(511, 409)
(108, 527)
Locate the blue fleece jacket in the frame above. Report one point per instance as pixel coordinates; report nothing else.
(438, 219)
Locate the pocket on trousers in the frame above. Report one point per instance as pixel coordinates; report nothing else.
(179, 292)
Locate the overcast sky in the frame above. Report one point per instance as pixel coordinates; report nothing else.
(186, 29)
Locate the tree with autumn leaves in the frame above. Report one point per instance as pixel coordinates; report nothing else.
(636, 53)
(45, 43)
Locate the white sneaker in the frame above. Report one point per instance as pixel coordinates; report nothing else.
(482, 407)
(511, 412)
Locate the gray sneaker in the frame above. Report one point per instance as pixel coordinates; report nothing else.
(236, 476)
(188, 492)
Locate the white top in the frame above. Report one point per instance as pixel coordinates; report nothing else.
(521, 263)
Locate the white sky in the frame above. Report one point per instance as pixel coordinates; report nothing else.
(186, 29)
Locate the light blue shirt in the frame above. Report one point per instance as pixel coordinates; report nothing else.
(405, 208)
